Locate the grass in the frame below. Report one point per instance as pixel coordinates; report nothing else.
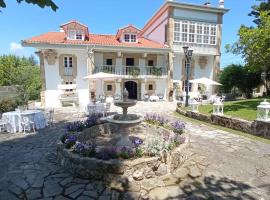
(244, 109)
(243, 134)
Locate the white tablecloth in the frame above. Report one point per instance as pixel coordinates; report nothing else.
(14, 119)
(154, 98)
(96, 108)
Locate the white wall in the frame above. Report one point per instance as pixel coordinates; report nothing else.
(98, 59)
(198, 72)
(156, 31)
(161, 87)
(195, 15)
(53, 79)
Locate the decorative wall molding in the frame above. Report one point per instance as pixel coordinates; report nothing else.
(51, 56)
(203, 62)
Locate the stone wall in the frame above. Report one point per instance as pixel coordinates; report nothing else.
(258, 128)
(136, 169)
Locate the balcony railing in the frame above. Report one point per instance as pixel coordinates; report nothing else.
(133, 70)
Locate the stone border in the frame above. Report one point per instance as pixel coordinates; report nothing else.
(258, 128)
(138, 169)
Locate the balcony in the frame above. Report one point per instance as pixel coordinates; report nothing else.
(134, 71)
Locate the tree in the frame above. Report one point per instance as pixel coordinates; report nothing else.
(254, 46)
(40, 3)
(257, 9)
(240, 77)
(23, 73)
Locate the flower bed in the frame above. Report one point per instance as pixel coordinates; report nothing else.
(92, 152)
(167, 138)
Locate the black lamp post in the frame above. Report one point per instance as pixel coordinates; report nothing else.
(263, 76)
(188, 55)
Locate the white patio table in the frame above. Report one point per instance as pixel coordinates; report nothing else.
(154, 98)
(14, 119)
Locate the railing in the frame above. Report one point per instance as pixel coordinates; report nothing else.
(68, 71)
(133, 70)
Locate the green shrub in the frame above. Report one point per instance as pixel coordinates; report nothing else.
(7, 105)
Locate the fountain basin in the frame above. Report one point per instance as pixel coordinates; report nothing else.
(127, 103)
(124, 122)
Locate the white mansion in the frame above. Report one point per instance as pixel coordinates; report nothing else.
(147, 60)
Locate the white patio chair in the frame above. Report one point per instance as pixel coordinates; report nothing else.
(49, 114)
(27, 125)
(91, 109)
(146, 97)
(161, 97)
(3, 125)
(107, 108)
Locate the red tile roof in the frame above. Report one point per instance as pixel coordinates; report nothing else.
(94, 39)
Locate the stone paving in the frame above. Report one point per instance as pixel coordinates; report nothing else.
(221, 165)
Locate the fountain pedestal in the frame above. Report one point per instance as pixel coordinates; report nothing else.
(125, 121)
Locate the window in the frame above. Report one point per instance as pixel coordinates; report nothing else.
(184, 86)
(79, 36)
(68, 66)
(126, 37)
(150, 63)
(130, 38)
(69, 90)
(109, 87)
(133, 38)
(75, 35)
(150, 87)
(195, 32)
(166, 33)
(109, 61)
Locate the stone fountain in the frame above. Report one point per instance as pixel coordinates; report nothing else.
(125, 121)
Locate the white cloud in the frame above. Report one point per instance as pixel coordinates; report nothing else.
(14, 47)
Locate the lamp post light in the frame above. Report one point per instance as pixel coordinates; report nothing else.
(263, 111)
(188, 55)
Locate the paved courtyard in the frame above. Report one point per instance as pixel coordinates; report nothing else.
(234, 167)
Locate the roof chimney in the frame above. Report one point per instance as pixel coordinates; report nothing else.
(207, 3)
(221, 3)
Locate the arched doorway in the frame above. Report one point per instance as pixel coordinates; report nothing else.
(132, 89)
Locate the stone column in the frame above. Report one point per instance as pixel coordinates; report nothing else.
(43, 79)
(216, 67)
(118, 63)
(169, 57)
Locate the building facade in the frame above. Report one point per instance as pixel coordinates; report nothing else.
(146, 60)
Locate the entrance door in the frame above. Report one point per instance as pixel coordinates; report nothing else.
(129, 61)
(132, 89)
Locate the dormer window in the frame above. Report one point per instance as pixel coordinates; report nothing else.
(79, 36)
(75, 35)
(75, 30)
(130, 38)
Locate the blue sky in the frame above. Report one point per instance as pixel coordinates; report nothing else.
(21, 21)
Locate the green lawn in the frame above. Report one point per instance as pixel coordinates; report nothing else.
(244, 109)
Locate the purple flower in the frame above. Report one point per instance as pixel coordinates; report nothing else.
(137, 141)
(178, 126)
(79, 147)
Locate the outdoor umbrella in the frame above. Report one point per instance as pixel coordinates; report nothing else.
(102, 76)
(204, 81)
